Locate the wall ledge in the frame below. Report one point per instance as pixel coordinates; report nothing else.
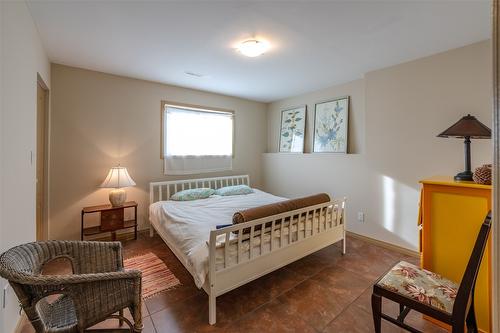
(313, 155)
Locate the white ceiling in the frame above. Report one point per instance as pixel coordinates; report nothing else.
(314, 44)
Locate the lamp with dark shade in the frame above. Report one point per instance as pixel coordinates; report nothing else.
(467, 128)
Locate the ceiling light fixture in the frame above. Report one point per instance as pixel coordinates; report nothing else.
(253, 48)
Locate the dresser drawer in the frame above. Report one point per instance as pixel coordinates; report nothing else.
(112, 219)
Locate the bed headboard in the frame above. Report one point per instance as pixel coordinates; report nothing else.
(159, 191)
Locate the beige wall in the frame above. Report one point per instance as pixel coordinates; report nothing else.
(100, 120)
(395, 116)
(354, 89)
(2, 281)
(22, 57)
(1, 127)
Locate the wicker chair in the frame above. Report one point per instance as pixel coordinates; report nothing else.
(98, 289)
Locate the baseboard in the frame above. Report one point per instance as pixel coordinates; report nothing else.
(383, 244)
(122, 236)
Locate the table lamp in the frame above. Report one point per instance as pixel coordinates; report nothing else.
(117, 179)
(468, 127)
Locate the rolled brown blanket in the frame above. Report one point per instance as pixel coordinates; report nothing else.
(278, 208)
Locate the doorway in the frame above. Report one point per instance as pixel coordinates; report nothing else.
(496, 165)
(41, 159)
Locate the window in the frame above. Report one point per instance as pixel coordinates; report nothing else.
(191, 132)
(196, 140)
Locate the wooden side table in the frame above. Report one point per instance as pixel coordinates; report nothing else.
(112, 219)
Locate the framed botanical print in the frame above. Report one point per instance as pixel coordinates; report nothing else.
(330, 126)
(293, 124)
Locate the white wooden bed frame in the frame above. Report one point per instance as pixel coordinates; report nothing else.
(233, 275)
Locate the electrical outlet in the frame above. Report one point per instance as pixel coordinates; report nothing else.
(361, 217)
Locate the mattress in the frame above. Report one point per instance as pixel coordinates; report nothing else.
(186, 226)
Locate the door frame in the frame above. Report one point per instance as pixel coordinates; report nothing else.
(45, 225)
(496, 164)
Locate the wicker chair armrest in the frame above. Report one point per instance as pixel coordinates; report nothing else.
(96, 296)
(61, 280)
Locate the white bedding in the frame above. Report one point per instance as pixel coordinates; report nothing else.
(186, 225)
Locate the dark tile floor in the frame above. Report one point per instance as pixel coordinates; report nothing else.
(323, 292)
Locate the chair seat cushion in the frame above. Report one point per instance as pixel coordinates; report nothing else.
(420, 285)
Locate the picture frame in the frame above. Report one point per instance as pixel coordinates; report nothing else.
(292, 129)
(331, 126)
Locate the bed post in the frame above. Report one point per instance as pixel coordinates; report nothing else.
(211, 279)
(343, 243)
(151, 200)
(211, 308)
(344, 220)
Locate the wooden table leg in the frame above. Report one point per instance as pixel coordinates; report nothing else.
(135, 218)
(81, 229)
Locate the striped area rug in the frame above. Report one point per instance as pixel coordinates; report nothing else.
(156, 277)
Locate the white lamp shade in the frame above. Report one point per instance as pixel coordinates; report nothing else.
(118, 177)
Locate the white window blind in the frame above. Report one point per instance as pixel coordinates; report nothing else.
(196, 140)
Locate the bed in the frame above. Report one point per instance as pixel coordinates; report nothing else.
(221, 258)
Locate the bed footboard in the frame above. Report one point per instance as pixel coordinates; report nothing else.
(244, 252)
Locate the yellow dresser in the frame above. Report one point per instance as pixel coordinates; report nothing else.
(451, 215)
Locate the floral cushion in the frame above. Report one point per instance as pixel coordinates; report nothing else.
(421, 285)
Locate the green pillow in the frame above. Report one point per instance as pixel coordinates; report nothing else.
(234, 190)
(193, 194)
